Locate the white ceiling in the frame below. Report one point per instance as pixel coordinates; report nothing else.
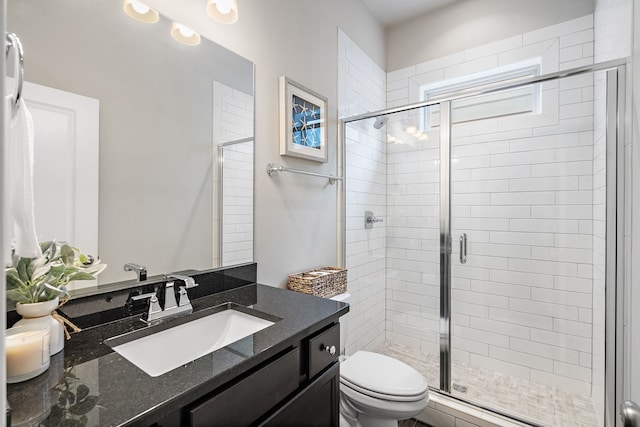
(389, 12)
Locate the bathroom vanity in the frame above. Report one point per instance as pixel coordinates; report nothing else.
(285, 374)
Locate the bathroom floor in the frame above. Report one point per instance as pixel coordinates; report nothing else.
(545, 404)
(411, 423)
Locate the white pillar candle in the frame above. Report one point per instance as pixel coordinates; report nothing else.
(27, 353)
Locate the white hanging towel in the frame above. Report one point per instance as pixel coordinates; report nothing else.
(20, 159)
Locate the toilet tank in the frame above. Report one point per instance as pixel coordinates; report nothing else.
(346, 297)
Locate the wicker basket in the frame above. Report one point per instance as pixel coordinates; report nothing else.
(323, 282)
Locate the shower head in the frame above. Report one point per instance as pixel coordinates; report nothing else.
(380, 122)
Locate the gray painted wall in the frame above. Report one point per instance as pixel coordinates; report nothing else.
(471, 23)
(296, 219)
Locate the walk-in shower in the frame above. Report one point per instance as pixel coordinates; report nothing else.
(494, 271)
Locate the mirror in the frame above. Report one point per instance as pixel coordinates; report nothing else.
(235, 166)
(163, 109)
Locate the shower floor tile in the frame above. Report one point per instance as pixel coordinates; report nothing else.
(544, 404)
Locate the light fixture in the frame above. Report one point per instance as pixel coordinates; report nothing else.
(184, 34)
(421, 136)
(141, 12)
(411, 129)
(223, 11)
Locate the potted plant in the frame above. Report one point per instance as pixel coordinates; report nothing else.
(36, 284)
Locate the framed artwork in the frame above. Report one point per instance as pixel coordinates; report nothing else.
(303, 124)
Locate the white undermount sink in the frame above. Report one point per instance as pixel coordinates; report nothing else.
(168, 349)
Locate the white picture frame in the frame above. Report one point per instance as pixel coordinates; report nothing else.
(303, 122)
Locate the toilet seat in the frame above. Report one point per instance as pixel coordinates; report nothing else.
(383, 377)
(382, 396)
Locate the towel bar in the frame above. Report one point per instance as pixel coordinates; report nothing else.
(272, 168)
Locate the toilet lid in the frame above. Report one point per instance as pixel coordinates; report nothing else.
(382, 375)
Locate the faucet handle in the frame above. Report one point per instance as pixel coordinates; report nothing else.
(154, 305)
(189, 282)
(169, 296)
(150, 295)
(184, 304)
(183, 297)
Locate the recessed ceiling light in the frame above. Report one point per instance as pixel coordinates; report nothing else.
(141, 12)
(184, 34)
(223, 11)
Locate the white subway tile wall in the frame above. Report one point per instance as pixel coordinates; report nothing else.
(525, 193)
(237, 199)
(527, 189)
(232, 121)
(362, 88)
(232, 114)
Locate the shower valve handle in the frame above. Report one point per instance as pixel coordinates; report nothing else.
(370, 219)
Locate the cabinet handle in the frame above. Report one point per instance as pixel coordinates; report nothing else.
(329, 349)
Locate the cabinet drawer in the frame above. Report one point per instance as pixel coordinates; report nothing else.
(319, 350)
(248, 399)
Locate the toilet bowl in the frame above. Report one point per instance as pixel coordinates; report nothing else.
(377, 390)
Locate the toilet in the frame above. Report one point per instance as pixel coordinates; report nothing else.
(377, 390)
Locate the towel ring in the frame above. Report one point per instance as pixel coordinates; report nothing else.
(14, 42)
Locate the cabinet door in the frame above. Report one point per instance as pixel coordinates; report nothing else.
(317, 405)
(247, 400)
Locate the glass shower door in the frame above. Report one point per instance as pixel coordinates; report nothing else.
(527, 264)
(413, 250)
(393, 171)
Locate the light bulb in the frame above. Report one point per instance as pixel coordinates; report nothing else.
(185, 31)
(140, 12)
(224, 6)
(184, 34)
(140, 7)
(223, 11)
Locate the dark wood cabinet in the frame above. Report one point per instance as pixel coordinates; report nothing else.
(244, 402)
(318, 405)
(323, 349)
(298, 387)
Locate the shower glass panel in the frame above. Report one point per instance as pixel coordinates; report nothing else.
(527, 265)
(393, 170)
(235, 204)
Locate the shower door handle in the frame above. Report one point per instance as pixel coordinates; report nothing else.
(463, 248)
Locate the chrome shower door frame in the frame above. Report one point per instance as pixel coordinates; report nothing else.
(615, 191)
(445, 246)
(614, 266)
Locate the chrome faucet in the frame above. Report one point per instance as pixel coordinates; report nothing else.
(171, 306)
(139, 269)
(183, 303)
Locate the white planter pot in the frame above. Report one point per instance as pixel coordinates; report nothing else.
(39, 313)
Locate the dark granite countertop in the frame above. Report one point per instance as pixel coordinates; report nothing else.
(88, 371)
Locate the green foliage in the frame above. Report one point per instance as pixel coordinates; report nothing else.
(41, 279)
